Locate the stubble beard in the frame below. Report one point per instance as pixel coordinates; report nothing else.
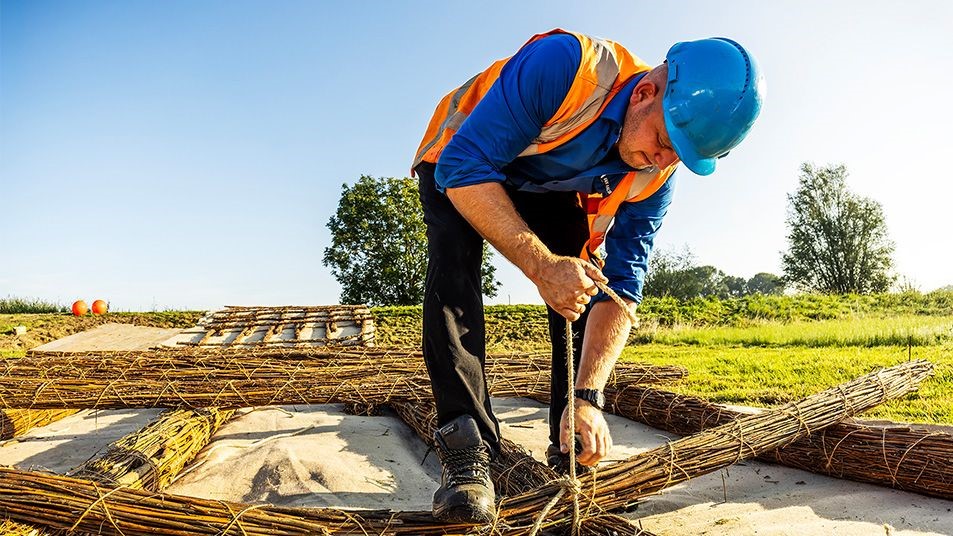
(633, 156)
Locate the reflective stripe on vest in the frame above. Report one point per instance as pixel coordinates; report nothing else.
(604, 69)
(635, 186)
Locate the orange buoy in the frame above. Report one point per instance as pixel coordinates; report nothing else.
(80, 308)
(100, 307)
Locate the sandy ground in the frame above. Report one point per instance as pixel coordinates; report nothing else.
(319, 456)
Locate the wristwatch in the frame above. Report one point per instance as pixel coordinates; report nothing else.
(593, 396)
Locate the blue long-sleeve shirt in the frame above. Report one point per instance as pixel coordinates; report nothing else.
(531, 87)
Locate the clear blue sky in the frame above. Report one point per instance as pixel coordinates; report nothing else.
(189, 154)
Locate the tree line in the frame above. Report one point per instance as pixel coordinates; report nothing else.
(837, 243)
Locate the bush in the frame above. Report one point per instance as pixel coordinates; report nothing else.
(12, 306)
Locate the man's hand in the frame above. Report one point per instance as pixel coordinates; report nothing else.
(567, 284)
(592, 429)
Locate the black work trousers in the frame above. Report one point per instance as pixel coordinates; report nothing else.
(454, 341)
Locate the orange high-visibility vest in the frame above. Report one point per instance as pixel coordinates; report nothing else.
(604, 70)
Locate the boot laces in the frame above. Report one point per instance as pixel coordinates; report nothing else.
(468, 465)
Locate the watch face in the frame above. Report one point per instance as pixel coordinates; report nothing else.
(593, 396)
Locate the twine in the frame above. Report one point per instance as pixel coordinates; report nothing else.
(571, 482)
(619, 301)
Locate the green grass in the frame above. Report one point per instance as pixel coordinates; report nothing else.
(759, 308)
(11, 305)
(768, 376)
(860, 331)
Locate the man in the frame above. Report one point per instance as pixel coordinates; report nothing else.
(562, 158)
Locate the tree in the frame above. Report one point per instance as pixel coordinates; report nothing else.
(765, 283)
(378, 250)
(736, 286)
(669, 274)
(674, 273)
(837, 240)
(707, 281)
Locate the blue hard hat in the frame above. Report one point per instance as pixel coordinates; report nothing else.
(712, 98)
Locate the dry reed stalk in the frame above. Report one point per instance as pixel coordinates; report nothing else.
(623, 483)
(900, 457)
(99, 363)
(12, 528)
(274, 320)
(149, 458)
(240, 379)
(62, 502)
(513, 470)
(15, 422)
(152, 457)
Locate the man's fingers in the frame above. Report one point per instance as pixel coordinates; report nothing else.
(589, 455)
(570, 314)
(564, 435)
(594, 273)
(605, 443)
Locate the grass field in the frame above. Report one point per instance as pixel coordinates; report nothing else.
(735, 351)
(773, 375)
(903, 330)
(737, 356)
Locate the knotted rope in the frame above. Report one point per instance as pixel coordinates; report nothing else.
(571, 482)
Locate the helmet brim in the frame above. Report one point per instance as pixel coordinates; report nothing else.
(686, 152)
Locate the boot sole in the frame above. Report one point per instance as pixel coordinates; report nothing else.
(464, 514)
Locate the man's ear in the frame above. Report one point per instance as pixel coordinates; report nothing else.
(644, 90)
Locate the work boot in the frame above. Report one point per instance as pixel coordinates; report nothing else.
(466, 492)
(559, 462)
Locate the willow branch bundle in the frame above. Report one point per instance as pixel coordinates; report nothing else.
(12, 528)
(15, 422)
(910, 459)
(239, 316)
(513, 470)
(92, 364)
(625, 482)
(153, 456)
(62, 502)
(240, 379)
(146, 459)
(67, 503)
(275, 320)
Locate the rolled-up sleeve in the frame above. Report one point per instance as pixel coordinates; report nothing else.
(531, 87)
(629, 243)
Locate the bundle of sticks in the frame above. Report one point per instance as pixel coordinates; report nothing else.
(272, 322)
(66, 503)
(147, 459)
(902, 457)
(230, 379)
(15, 422)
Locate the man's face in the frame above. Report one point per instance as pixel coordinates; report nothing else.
(644, 141)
